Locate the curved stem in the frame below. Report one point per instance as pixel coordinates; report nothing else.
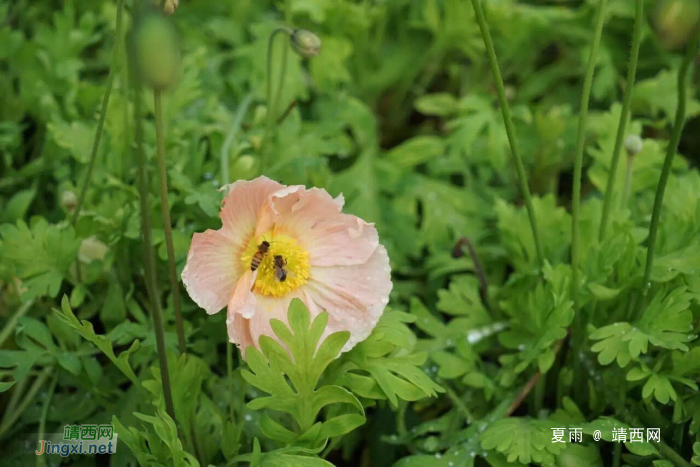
(670, 152)
(12, 322)
(103, 113)
(41, 460)
(231, 137)
(148, 252)
(624, 116)
(167, 227)
(578, 159)
(510, 129)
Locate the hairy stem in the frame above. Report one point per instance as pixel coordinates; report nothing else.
(510, 129)
(624, 115)
(103, 113)
(167, 227)
(578, 162)
(148, 252)
(670, 152)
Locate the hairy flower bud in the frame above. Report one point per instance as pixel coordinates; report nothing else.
(633, 145)
(169, 6)
(305, 43)
(157, 51)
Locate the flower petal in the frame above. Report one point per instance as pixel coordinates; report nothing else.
(210, 273)
(213, 262)
(313, 217)
(354, 296)
(243, 300)
(241, 207)
(239, 331)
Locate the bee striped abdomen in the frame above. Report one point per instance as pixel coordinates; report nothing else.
(259, 255)
(257, 259)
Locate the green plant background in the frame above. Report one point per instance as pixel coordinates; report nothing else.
(399, 112)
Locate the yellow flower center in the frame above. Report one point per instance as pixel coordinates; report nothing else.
(296, 265)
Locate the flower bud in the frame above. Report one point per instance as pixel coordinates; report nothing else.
(633, 145)
(168, 7)
(92, 249)
(305, 43)
(157, 51)
(245, 167)
(674, 21)
(69, 200)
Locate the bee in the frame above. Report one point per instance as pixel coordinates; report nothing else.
(280, 265)
(259, 255)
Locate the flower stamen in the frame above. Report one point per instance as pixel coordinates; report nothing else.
(297, 264)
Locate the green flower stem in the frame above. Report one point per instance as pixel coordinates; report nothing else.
(459, 403)
(672, 455)
(578, 158)
(510, 129)
(11, 416)
(167, 227)
(670, 152)
(231, 137)
(9, 327)
(41, 460)
(103, 113)
(627, 187)
(624, 116)
(272, 104)
(148, 253)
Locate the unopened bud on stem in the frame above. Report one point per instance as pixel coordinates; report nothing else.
(157, 51)
(305, 43)
(633, 145)
(169, 6)
(69, 200)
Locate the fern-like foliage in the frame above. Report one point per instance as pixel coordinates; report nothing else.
(291, 378)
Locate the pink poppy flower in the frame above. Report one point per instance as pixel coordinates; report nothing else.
(333, 262)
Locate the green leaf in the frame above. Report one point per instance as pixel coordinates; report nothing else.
(86, 330)
(5, 386)
(16, 207)
(378, 368)
(539, 319)
(416, 151)
(440, 104)
(40, 256)
(157, 443)
(554, 225)
(522, 440)
(603, 293)
(665, 323)
(303, 361)
(70, 362)
(642, 449)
